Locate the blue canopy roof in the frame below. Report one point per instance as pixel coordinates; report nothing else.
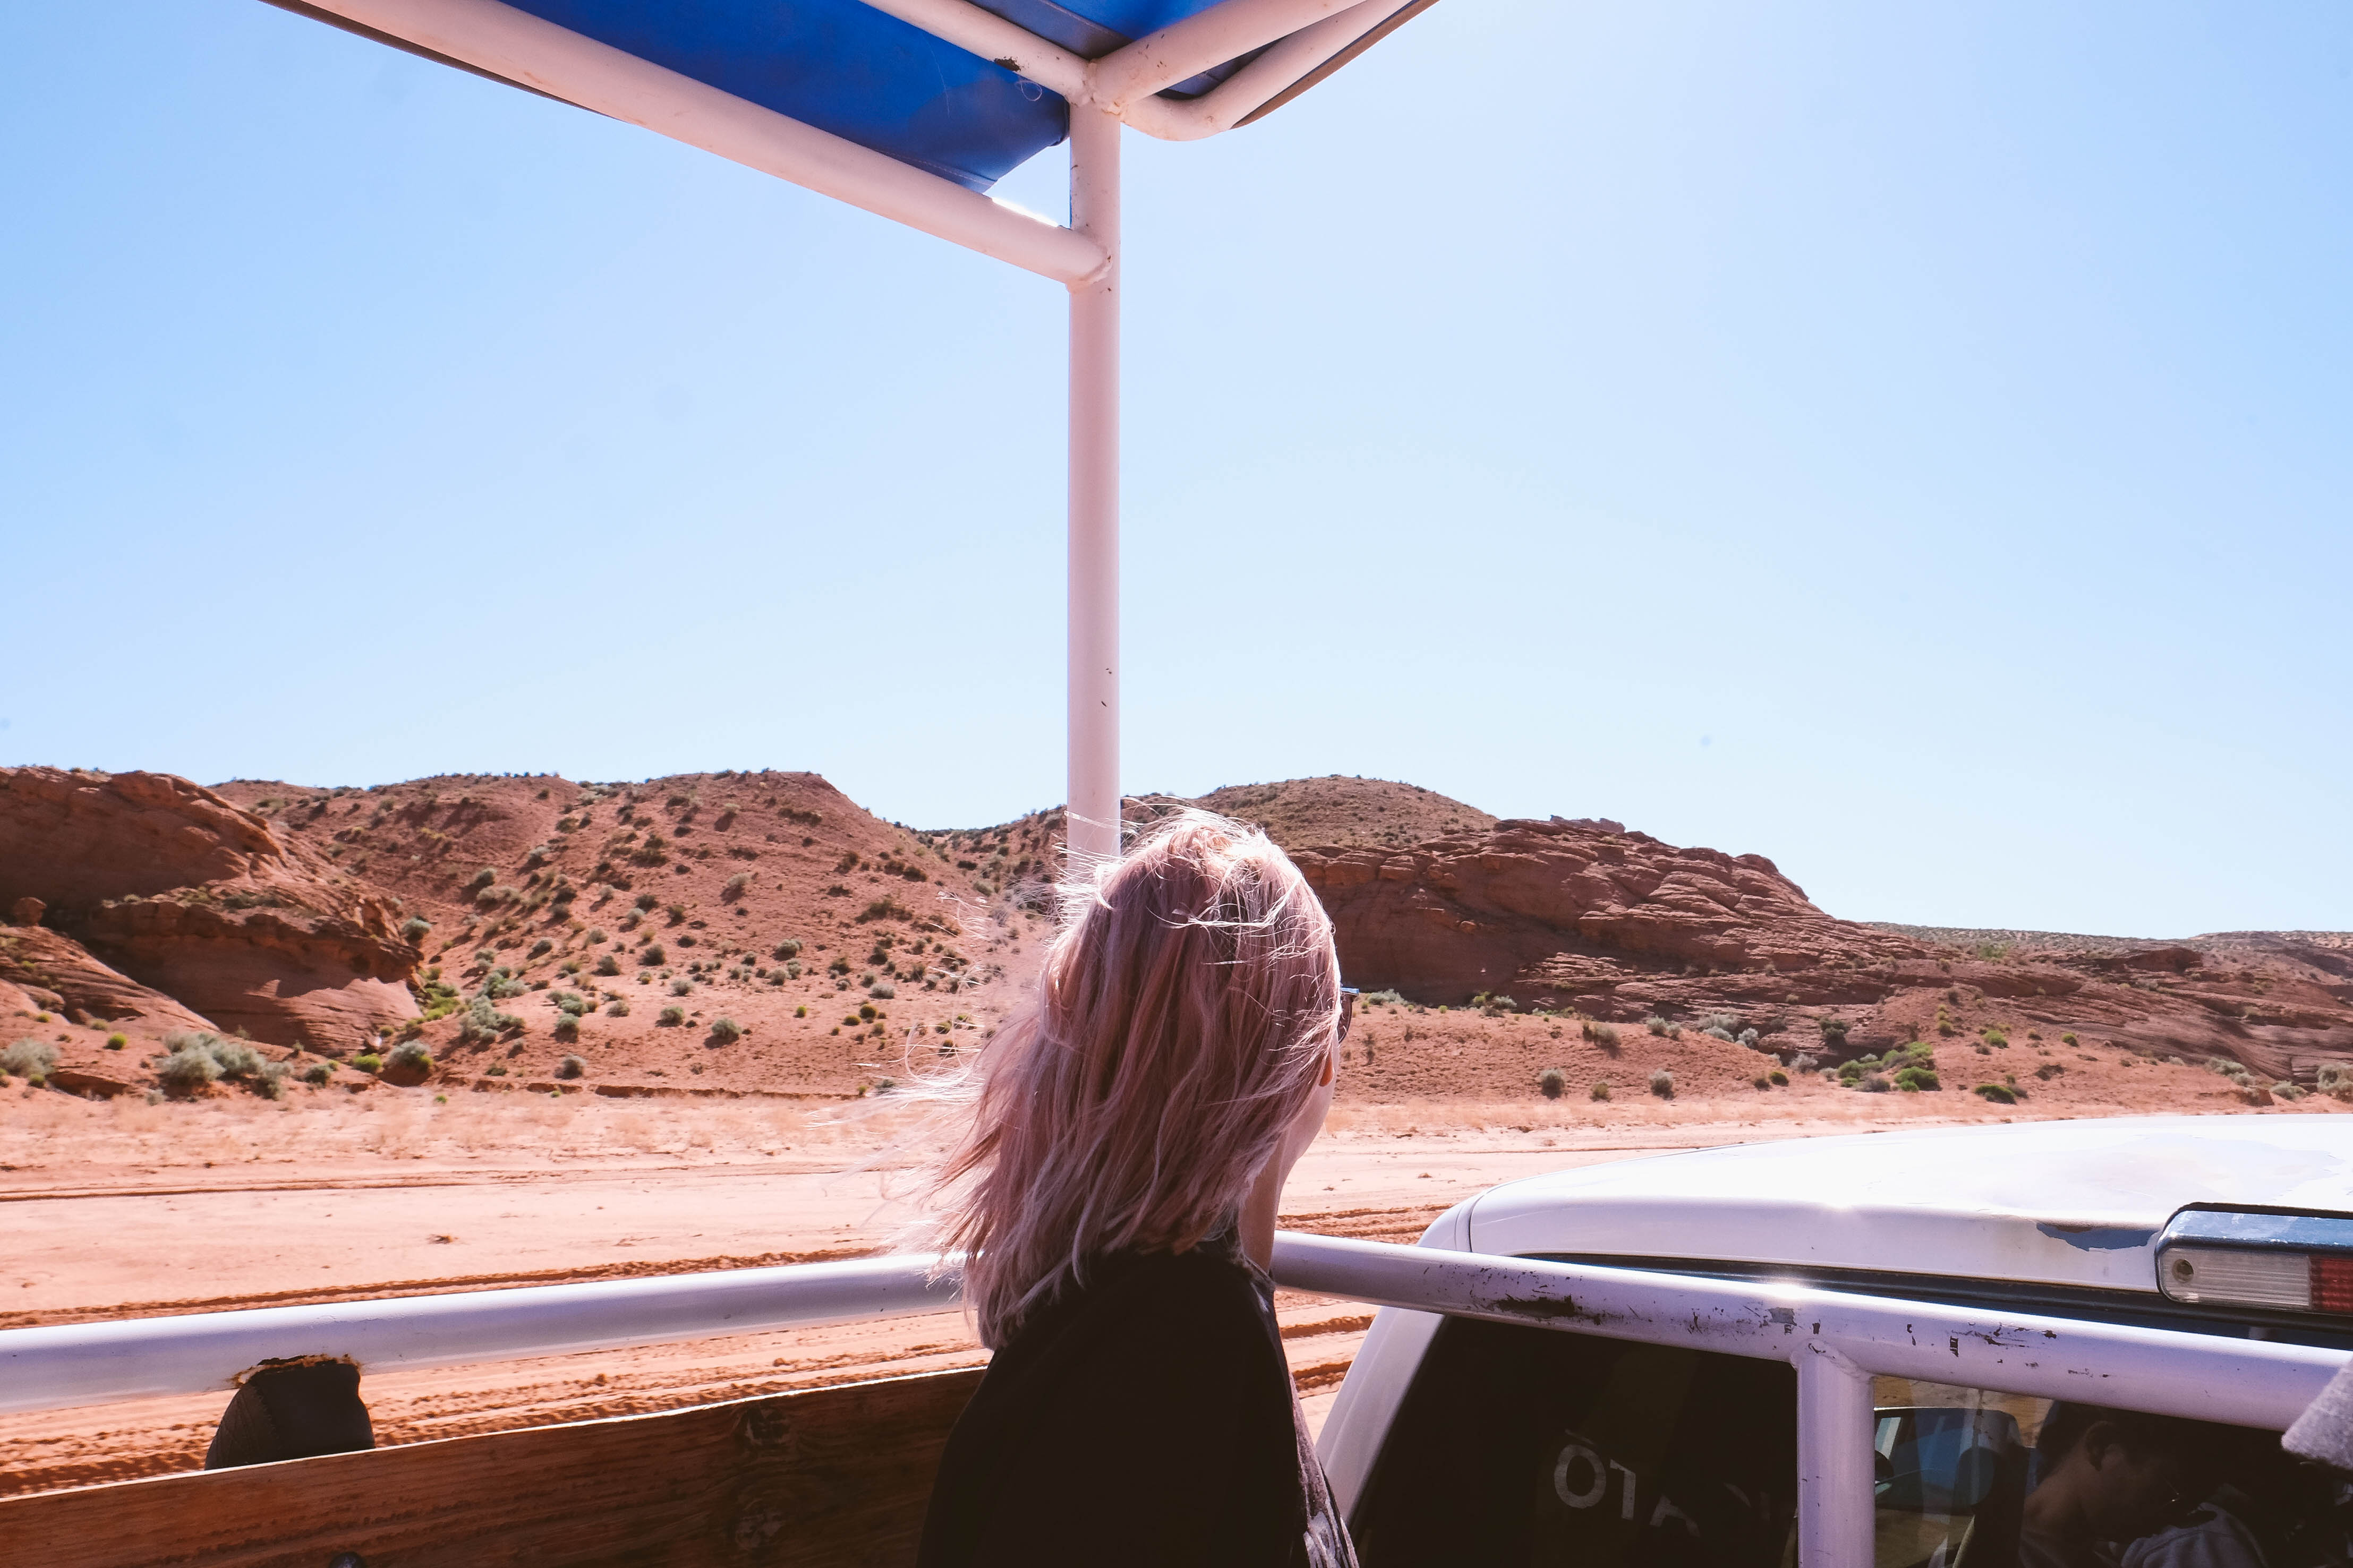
(870, 78)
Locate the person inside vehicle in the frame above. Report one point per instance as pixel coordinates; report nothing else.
(1115, 1196)
(2111, 1483)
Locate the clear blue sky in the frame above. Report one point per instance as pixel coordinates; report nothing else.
(1910, 442)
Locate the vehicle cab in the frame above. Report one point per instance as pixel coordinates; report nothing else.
(2169, 1245)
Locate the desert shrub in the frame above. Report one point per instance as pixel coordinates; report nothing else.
(571, 1067)
(117, 1042)
(1747, 1038)
(1720, 1035)
(481, 880)
(484, 1023)
(609, 964)
(1833, 1031)
(1663, 1083)
(1874, 1084)
(569, 966)
(1550, 1082)
(793, 970)
(409, 1056)
(542, 947)
(415, 928)
(1381, 999)
(232, 1059)
(573, 1002)
(681, 986)
(2069, 1038)
(1996, 1093)
(882, 990)
(618, 1008)
(500, 985)
(868, 1012)
(2334, 1079)
(1600, 1090)
(1723, 1026)
(1914, 1078)
(368, 1061)
(653, 953)
(30, 1058)
(183, 1071)
(1801, 1062)
(1760, 1081)
(735, 885)
(567, 1027)
(2286, 1091)
(670, 1017)
(1656, 1025)
(801, 1012)
(2049, 1070)
(788, 948)
(726, 1031)
(1994, 1036)
(1779, 1078)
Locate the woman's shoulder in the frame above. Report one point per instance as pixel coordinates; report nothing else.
(1205, 1297)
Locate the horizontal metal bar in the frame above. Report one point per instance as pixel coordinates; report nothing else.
(2246, 1382)
(1284, 65)
(1206, 39)
(1298, 51)
(992, 38)
(95, 1363)
(520, 47)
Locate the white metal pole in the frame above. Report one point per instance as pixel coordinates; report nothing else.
(1094, 716)
(1835, 1506)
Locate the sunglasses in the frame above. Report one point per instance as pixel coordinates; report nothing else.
(1347, 1013)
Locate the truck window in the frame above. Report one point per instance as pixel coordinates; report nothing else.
(1525, 1445)
(1971, 1479)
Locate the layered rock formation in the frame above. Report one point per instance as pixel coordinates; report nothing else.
(1561, 912)
(197, 910)
(1585, 916)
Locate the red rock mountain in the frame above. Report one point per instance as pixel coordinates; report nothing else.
(760, 933)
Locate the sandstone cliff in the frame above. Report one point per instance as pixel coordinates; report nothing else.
(187, 897)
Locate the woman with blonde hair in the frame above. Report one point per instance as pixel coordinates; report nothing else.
(1115, 1199)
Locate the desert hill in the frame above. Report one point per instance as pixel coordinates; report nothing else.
(1333, 810)
(761, 933)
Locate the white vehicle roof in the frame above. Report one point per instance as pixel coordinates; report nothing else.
(2057, 1203)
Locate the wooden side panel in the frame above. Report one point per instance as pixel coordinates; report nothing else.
(824, 1477)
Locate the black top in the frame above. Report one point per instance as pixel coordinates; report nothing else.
(1146, 1418)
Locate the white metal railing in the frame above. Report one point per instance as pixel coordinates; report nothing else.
(94, 1363)
(1836, 1339)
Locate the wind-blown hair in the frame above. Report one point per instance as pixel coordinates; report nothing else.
(1181, 1021)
